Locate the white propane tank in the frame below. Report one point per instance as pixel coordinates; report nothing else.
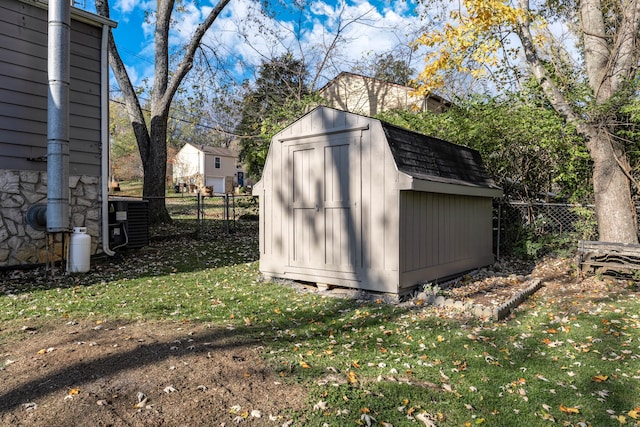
(79, 250)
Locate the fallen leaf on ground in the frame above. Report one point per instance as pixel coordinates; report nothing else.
(320, 406)
(426, 419)
(142, 400)
(569, 410)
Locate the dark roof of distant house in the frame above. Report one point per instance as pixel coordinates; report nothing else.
(432, 159)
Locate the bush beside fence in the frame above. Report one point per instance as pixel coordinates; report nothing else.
(529, 229)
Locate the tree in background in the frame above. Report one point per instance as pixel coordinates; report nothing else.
(526, 145)
(386, 67)
(588, 93)
(278, 96)
(151, 136)
(124, 154)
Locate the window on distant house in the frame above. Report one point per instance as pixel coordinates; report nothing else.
(217, 162)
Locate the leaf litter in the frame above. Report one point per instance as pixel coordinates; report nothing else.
(309, 360)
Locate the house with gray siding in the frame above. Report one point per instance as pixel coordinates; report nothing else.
(348, 200)
(23, 126)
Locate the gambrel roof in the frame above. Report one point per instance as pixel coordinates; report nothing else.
(432, 159)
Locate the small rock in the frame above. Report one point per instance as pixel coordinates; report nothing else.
(30, 406)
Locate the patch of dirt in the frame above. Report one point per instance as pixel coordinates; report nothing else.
(138, 374)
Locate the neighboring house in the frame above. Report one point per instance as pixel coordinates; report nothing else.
(24, 133)
(369, 96)
(352, 201)
(203, 166)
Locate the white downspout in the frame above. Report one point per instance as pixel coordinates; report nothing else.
(104, 136)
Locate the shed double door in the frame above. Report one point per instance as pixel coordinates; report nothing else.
(325, 203)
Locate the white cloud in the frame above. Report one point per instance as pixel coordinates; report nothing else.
(245, 37)
(125, 6)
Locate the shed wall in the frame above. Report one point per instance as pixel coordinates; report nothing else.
(23, 91)
(443, 235)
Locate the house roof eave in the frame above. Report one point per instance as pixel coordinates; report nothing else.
(77, 14)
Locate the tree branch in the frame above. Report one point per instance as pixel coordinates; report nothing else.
(132, 103)
(551, 90)
(187, 60)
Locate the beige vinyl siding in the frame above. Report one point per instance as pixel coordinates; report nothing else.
(227, 165)
(441, 233)
(369, 96)
(23, 91)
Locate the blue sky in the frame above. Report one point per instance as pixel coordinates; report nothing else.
(381, 26)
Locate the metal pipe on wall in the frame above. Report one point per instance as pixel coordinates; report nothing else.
(104, 136)
(58, 71)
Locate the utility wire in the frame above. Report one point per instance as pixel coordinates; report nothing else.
(213, 128)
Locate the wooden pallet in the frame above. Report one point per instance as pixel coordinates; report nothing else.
(606, 256)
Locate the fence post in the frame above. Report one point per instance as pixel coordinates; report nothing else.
(499, 231)
(198, 209)
(226, 211)
(233, 201)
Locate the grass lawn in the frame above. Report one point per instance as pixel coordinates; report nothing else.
(555, 362)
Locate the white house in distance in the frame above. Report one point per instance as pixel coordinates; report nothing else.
(204, 166)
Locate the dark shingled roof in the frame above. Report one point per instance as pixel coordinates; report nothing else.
(432, 159)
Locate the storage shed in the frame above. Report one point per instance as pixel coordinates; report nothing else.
(351, 201)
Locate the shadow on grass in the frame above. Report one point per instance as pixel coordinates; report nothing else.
(81, 372)
(181, 247)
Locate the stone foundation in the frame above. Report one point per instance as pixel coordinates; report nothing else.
(20, 244)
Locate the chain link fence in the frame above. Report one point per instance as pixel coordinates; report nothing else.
(520, 228)
(218, 212)
(527, 227)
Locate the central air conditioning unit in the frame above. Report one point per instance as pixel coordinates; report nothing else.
(128, 223)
